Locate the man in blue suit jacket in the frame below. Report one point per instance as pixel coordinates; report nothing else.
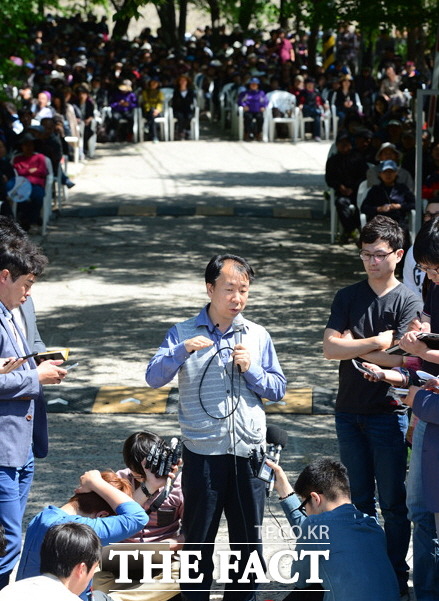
(23, 422)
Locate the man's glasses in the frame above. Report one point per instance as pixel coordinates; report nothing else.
(302, 506)
(428, 269)
(378, 257)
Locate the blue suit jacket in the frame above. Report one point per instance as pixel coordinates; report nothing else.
(23, 420)
(426, 407)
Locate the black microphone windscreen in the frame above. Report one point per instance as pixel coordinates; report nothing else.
(277, 436)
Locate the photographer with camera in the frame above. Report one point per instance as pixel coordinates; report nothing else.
(149, 459)
(320, 504)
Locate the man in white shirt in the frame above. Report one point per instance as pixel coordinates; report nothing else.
(70, 554)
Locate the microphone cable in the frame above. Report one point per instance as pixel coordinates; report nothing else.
(232, 383)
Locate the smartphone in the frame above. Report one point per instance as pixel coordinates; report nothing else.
(424, 376)
(265, 471)
(71, 366)
(364, 370)
(29, 356)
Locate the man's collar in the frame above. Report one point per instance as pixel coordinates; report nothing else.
(203, 319)
(5, 311)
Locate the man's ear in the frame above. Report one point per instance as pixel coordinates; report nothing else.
(399, 254)
(102, 514)
(317, 498)
(78, 570)
(4, 274)
(209, 288)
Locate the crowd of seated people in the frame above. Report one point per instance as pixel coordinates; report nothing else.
(92, 85)
(94, 72)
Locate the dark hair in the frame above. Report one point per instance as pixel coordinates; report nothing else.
(9, 229)
(67, 545)
(90, 502)
(216, 263)
(20, 256)
(426, 246)
(137, 447)
(324, 476)
(385, 228)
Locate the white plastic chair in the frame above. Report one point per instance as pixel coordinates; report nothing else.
(286, 103)
(195, 122)
(238, 123)
(47, 200)
(333, 216)
(60, 189)
(227, 100)
(74, 141)
(199, 92)
(303, 120)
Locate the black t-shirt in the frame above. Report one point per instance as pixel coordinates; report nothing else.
(357, 308)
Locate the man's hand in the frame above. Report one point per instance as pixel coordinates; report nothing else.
(416, 325)
(432, 384)
(385, 339)
(88, 481)
(281, 484)
(50, 373)
(197, 343)
(377, 371)
(241, 357)
(10, 363)
(410, 343)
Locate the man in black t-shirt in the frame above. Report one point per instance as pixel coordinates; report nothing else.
(371, 426)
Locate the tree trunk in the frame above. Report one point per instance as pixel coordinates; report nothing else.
(168, 22)
(182, 22)
(246, 12)
(298, 18)
(283, 17)
(120, 28)
(312, 49)
(215, 21)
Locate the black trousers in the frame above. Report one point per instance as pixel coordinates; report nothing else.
(210, 486)
(348, 213)
(253, 122)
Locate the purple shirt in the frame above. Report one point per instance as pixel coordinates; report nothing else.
(254, 100)
(129, 97)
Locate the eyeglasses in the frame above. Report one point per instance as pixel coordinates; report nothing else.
(379, 257)
(428, 269)
(302, 506)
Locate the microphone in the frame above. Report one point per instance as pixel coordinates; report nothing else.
(277, 438)
(172, 459)
(238, 326)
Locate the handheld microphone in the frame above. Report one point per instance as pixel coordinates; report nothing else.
(238, 326)
(172, 460)
(278, 438)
